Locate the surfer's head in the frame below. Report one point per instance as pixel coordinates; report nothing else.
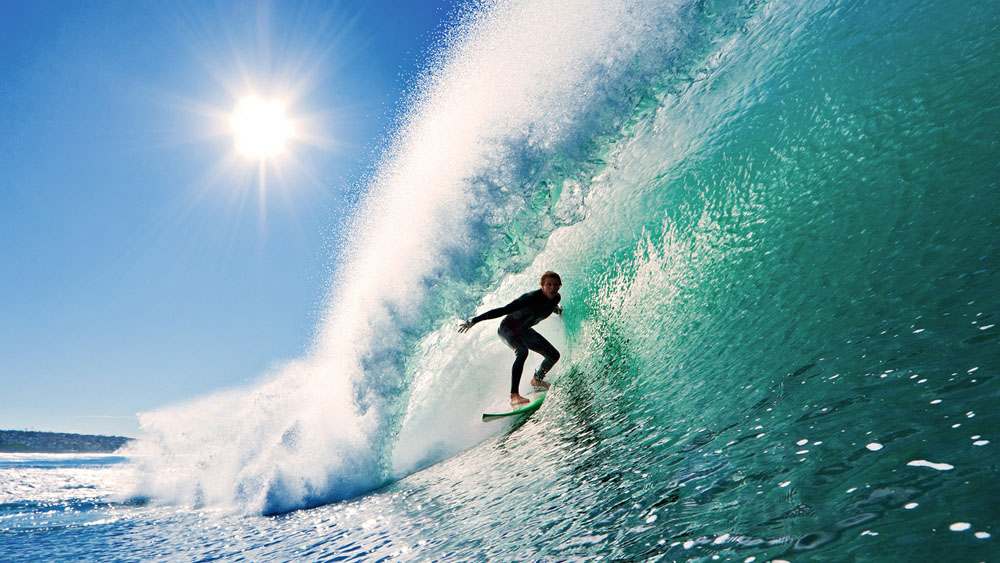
(550, 282)
(550, 275)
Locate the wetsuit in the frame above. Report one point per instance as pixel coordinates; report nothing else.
(523, 313)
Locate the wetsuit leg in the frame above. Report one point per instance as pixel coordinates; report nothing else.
(537, 343)
(514, 340)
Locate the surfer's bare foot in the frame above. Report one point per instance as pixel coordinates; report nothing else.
(540, 385)
(517, 400)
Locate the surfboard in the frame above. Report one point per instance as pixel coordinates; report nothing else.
(536, 401)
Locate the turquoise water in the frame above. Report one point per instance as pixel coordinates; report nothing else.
(777, 227)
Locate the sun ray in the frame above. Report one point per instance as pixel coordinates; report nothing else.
(256, 105)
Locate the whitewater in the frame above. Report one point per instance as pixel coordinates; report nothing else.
(777, 228)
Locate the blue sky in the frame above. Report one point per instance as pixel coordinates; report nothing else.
(141, 261)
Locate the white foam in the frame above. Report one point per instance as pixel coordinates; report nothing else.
(931, 464)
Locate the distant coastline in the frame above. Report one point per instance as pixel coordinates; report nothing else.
(23, 441)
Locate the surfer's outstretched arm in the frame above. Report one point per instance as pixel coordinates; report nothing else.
(493, 314)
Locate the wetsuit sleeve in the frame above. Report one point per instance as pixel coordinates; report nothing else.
(507, 309)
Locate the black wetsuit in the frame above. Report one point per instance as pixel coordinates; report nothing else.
(523, 313)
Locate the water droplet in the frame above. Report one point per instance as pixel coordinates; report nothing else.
(959, 526)
(874, 446)
(911, 505)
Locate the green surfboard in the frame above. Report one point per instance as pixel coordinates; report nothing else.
(536, 401)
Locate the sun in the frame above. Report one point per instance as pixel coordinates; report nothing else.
(260, 128)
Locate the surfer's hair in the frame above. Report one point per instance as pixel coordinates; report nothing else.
(550, 275)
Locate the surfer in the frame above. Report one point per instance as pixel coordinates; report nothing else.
(515, 329)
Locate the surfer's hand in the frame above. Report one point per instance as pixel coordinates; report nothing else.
(558, 310)
(464, 327)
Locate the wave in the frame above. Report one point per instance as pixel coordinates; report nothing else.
(740, 198)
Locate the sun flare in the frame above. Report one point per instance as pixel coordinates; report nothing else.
(260, 128)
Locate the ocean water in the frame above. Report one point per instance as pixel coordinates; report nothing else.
(777, 226)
